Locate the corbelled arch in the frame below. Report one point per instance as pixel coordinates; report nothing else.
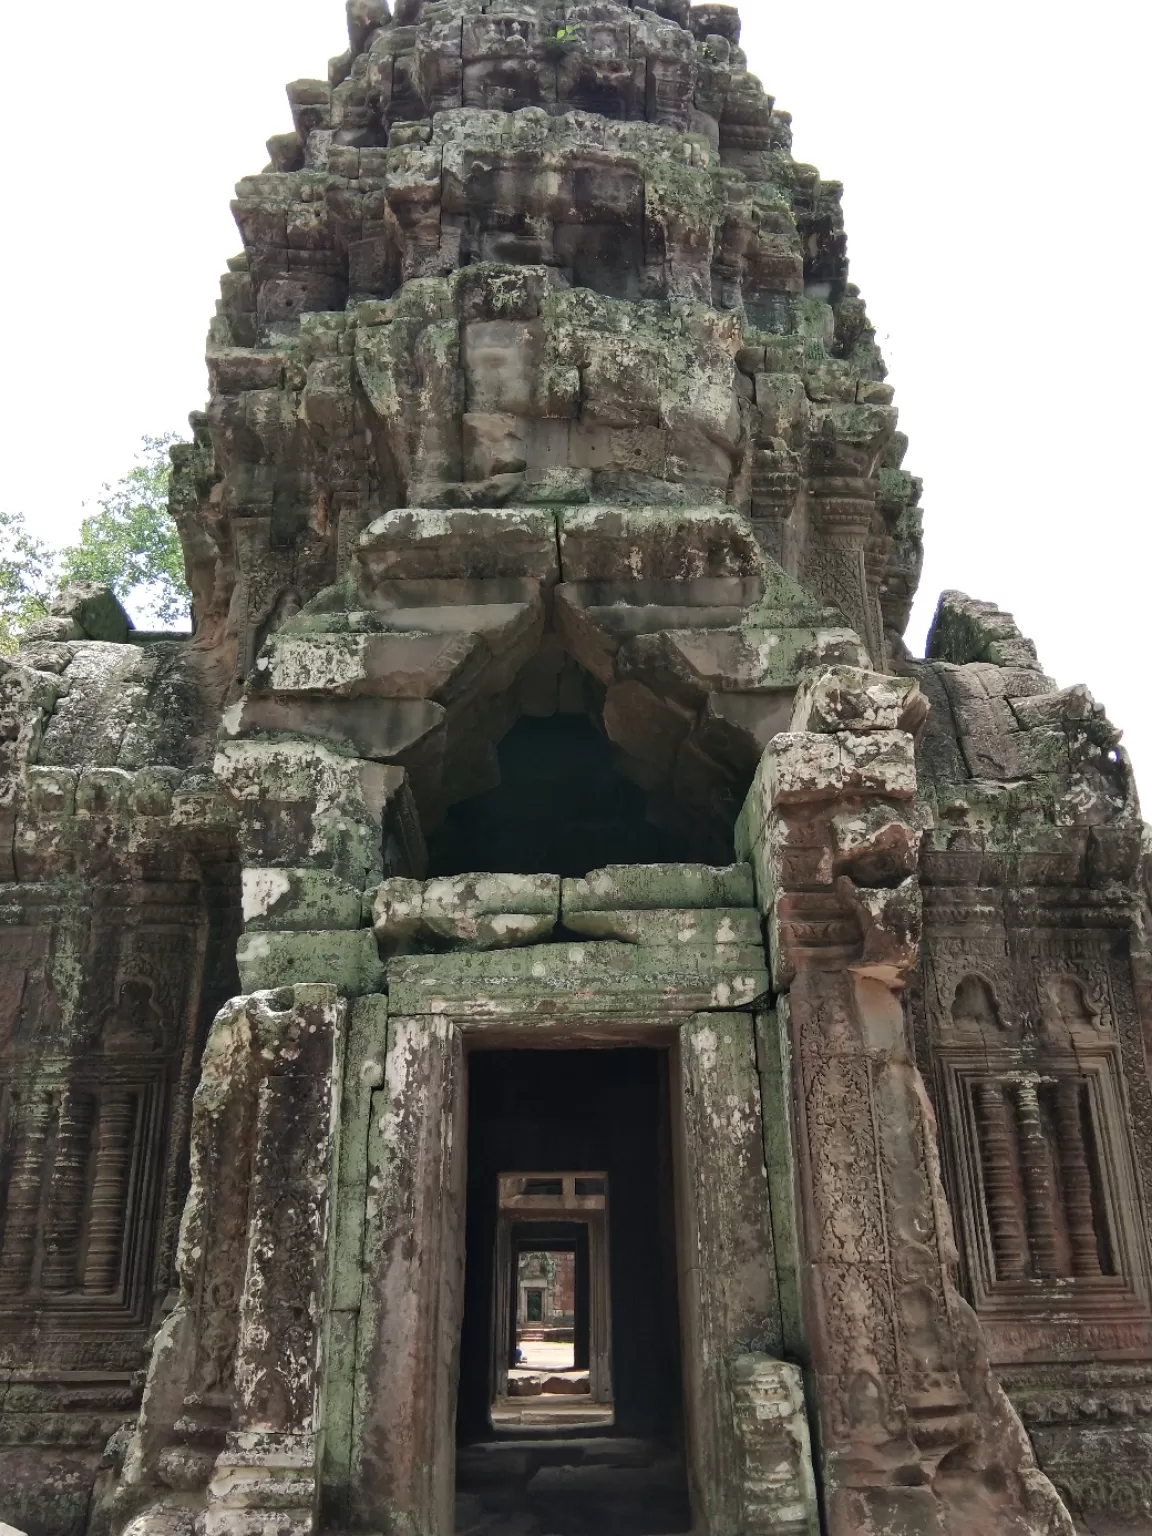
(667, 626)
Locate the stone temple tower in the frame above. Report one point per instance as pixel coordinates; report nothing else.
(601, 889)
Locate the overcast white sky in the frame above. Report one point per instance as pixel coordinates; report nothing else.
(995, 159)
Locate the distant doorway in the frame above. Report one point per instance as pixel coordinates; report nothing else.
(551, 1354)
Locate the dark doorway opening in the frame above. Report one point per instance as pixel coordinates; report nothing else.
(603, 1114)
(561, 808)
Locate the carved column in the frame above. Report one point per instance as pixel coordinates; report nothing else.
(899, 1368)
(834, 563)
(1078, 1204)
(115, 1130)
(22, 1216)
(66, 1198)
(776, 484)
(845, 443)
(1009, 1247)
(1037, 1177)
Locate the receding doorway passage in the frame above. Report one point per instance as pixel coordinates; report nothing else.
(551, 1358)
(570, 1252)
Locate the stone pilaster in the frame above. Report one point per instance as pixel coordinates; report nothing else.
(754, 1459)
(408, 1342)
(228, 1421)
(903, 1390)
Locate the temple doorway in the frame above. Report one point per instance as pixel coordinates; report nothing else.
(570, 1405)
(551, 1330)
(504, 1149)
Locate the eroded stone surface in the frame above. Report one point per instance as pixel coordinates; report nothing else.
(252, 1264)
(471, 911)
(876, 1230)
(540, 397)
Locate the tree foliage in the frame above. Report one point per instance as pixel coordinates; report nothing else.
(27, 577)
(128, 542)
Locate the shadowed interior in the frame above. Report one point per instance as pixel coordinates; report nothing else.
(561, 807)
(599, 1110)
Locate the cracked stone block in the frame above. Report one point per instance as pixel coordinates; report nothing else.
(347, 959)
(658, 886)
(277, 899)
(477, 911)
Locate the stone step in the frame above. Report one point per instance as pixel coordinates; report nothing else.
(573, 1487)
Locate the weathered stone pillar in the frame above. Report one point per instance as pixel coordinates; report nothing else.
(408, 1342)
(66, 1198)
(116, 1123)
(268, 1468)
(227, 1425)
(751, 1462)
(845, 444)
(1077, 1175)
(363, 1075)
(910, 1415)
(22, 1213)
(997, 1133)
(599, 1306)
(834, 562)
